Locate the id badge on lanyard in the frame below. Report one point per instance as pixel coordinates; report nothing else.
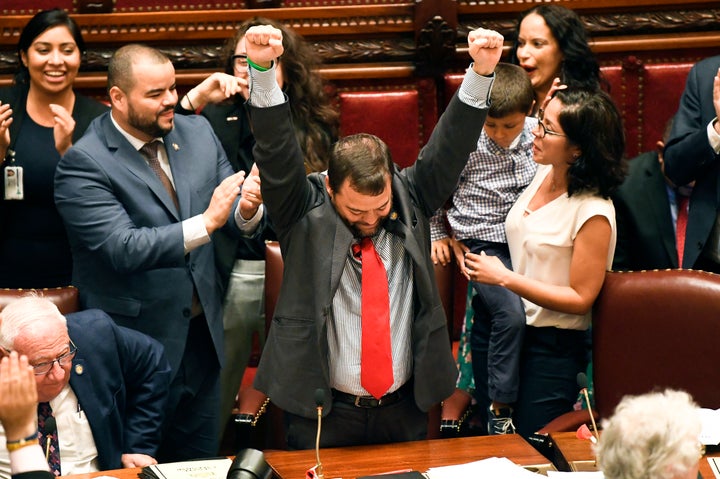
(14, 183)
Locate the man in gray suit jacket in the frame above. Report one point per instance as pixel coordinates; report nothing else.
(314, 342)
(140, 229)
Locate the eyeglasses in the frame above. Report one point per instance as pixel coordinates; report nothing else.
(62, 360)
(239, 62)
(544, 131)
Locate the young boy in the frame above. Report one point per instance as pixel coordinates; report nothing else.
(495, 175)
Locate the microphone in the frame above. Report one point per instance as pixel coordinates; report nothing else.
(49, 430)
(249, 464)
(319, 401)
(582, 381)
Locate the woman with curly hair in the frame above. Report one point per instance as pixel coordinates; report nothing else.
(561, 233)
(221, 98)
(551, 42)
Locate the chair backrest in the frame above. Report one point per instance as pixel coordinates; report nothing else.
(654, 330)
(65, 298)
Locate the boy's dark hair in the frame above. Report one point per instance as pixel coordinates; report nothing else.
(512, 91)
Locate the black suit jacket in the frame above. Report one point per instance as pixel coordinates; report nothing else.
(689, 156)
(646, 236)
(315, 240)
(121, 379)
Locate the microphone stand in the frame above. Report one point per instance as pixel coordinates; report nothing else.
(318, 467)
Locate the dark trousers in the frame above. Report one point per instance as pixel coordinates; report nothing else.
(497, 335)
(551, 359)
(347, 425)
(191, 426)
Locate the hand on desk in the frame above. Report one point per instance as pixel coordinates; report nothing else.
(137, 460)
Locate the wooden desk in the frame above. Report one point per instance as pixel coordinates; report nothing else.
(352, 462)
(577, 454)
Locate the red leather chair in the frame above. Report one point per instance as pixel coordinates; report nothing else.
(65, 298)
(653, 330)
(403, 116)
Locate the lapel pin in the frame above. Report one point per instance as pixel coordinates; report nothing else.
(175, 146)
(79, 369)
(393, 216)
(231, 118)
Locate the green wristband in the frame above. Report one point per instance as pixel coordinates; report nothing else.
(256, 66)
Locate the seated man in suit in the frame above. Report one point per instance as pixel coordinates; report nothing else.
(647, 208)
(106, 386)
(18, 416)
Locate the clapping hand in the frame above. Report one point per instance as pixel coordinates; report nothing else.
(63, 128)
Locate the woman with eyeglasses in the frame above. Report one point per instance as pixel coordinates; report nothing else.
(221, 98)
(40, 118)
(561, 234)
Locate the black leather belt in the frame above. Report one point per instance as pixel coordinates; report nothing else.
(372, 402)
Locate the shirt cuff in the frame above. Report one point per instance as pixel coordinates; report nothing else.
(26, 459)
(248, 227)
(475, 89)
(194, 233)
(264, 89)
(713, 136)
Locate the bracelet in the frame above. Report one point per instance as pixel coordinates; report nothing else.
(187, 97)
(20, 443)
(256, 66)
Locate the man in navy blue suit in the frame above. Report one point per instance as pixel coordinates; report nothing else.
(693, 154)
(107, 385)
(140, 226)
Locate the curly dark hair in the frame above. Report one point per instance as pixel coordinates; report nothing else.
(315, 119)
(579, 67)
(592, 122)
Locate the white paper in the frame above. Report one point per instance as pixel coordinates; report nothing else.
(710, 434)
(207, 469)
(494, 467)
(577, 475)
(715, 466)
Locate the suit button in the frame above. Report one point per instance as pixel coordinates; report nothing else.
(186, 312)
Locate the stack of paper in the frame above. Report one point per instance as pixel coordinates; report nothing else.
(576, 475)
(710, 434)
(500, 467)
(202, 469)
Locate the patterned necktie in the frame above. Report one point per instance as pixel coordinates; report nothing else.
(150, 152)
(48, 436)
(681, 225)
(376, 371)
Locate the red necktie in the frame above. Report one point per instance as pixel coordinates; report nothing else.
(376, 371)
(681, 225)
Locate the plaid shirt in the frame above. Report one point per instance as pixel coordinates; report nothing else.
(492, 180)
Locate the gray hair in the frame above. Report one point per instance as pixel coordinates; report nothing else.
(30, 313)
(654, 435)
